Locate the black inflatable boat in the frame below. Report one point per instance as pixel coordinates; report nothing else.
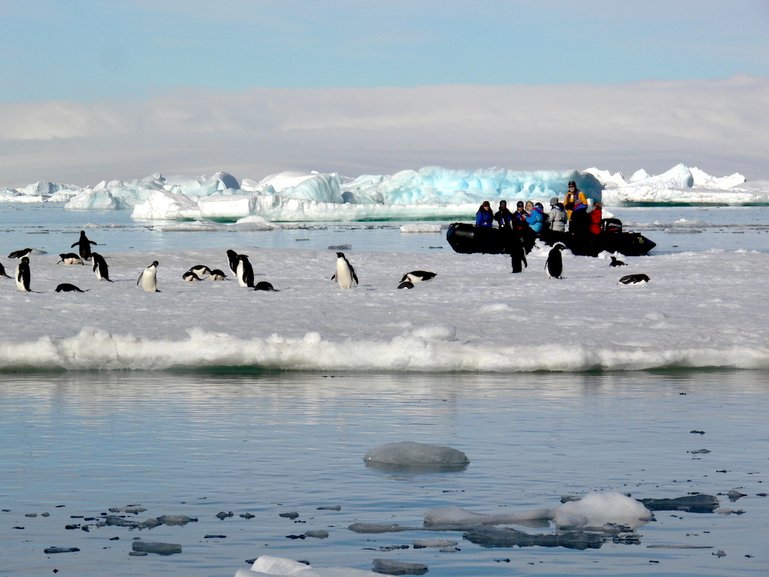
(467, 238)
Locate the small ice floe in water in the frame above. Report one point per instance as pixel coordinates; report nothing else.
(158, 548)
(601, 510)
(413, 456)
(699, 503)
(393, 567)
(269, 566)
(460, 519)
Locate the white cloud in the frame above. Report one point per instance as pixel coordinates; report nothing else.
(719, 125)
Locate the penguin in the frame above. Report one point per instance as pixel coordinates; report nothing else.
(22, 275)
(263, 285)
(100, 268)
(218, 274)
(345, 273)
(190, 276)
(68, 288)
(416, 276)
(201, 270)
(554, 262)
(634, 279)
(70, 258)
(406, 284)
(83, 245)
(244, 271)
(232, 258)
(518, 255)
(20, 253)
(148, 278)
(2, 271)
(616, 262)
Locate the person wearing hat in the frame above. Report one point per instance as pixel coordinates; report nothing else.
(503, 216)
(556, 221)
(484, 218)
(573, 197)
(521, 227)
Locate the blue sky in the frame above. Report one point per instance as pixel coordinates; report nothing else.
(97, 89)
(90, 49)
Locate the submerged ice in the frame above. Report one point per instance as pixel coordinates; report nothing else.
(411, 455)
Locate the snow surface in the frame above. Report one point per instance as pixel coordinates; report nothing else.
(430, 192)
(700, 309)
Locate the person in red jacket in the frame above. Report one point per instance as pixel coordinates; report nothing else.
(595, 218)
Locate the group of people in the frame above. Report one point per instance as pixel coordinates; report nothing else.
(529, 221)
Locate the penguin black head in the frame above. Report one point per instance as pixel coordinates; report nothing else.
(264, 286)
(154, 263)
(340, 255)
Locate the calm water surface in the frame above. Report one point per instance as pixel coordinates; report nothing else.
(75, 444)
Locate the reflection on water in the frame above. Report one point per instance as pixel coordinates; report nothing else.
(199, 444)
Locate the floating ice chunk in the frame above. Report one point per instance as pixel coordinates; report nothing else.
(236, 205)
(269, 566)
(415, 456)
(164, 205)
(95, 199)
(596, 510)
(421, 227)
(459, 518)
(255, 222)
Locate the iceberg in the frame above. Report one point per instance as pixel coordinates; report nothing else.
(428, 193)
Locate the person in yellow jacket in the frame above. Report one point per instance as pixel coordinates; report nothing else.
(573, 197)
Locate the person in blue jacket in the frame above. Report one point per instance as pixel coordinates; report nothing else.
(537, 218)
(484, 218)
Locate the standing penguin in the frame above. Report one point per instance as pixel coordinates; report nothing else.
(148, 278)
(554, 262)
(2, 271)
(100, 268)
(83, 245)
(22, 275)
(518, 255)
(345, 274)
(232, 259)
(245, 271)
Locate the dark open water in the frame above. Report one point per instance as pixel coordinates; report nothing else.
(76, 444)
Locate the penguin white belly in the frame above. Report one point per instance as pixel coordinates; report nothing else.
(241, 274)
(343, 275)
(148, 280)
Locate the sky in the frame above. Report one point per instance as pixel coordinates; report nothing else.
(122, 89)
